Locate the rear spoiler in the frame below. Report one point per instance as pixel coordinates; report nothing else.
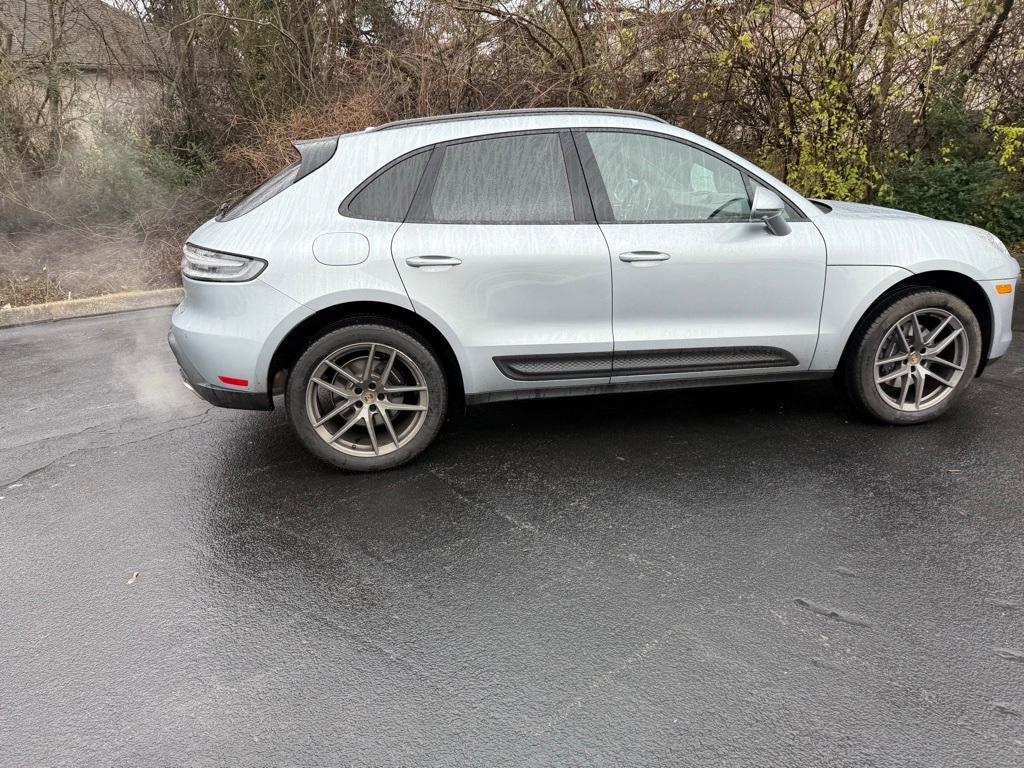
(314, 153)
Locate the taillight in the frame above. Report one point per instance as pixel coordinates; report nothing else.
(203, 264)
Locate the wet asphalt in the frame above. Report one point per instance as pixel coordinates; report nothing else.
(741, 576)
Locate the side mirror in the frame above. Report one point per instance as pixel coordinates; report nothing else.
(769, 208)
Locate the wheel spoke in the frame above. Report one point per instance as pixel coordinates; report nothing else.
(898, 330)
(936, 376)
(352, 379)
(387, 368)
(331, 388)
(403, 407)
(401, 390)
(944, 343)
(347, 426)
(905, 390)
(938, 329)
(918, 335)
(369, 363)
(390, 427)
(919, 391)
(345, 405)
(904, 371)
(890, 360)
(372, 432)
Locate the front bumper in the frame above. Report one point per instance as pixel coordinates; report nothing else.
(1002, 315)
(225, 398)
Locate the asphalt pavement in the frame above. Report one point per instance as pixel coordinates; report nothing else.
(742, 576)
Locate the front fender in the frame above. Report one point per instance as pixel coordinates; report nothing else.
(849, 292)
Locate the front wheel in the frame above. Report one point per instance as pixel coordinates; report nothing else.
(915, 358)
(367, 396)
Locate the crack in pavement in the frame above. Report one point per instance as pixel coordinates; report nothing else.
(200, 418)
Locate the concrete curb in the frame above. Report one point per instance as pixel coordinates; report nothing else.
(95, 305)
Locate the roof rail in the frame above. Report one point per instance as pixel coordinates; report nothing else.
(515, 113)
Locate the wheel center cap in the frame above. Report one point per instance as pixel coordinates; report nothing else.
(368, 398)
(915, 358)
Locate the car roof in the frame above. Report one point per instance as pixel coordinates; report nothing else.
(505, 113)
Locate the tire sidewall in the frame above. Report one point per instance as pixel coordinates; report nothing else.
(356, 332)
(863, 368)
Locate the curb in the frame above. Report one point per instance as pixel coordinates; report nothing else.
(95, 305)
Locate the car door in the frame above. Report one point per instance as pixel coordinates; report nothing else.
(501, 250)
(698, 287)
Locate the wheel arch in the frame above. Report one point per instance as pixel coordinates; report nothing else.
(956, 283)
(315, 325)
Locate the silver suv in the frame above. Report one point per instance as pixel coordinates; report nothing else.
(389, 273)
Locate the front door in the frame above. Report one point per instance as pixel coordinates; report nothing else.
(497, 251)
(698, 287)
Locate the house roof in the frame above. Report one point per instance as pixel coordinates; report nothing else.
(91, 34)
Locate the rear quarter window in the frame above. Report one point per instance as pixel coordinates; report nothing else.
(387, 196)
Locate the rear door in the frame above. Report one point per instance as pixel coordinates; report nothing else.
(501, 249)
(698, 287)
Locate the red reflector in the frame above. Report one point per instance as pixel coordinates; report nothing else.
(234, 382)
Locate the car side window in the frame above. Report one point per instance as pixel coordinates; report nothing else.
(389, 195)
(502, 180)
(650, 179)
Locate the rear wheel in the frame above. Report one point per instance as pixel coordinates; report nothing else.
(915, 358)
(367, 396)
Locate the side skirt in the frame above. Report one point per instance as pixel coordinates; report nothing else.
(617, 387)
(640, 362)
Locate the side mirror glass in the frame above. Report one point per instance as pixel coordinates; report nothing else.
(769, 208)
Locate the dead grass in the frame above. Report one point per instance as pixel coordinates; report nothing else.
(65, 264)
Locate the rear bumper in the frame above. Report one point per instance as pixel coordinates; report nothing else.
(225, 398)
(224, 334)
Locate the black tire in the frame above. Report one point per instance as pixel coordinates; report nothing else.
(857, 378)
(362, 331)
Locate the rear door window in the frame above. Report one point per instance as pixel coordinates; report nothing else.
(501, 180)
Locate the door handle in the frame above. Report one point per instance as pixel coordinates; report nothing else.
(433, 261)
(634, 256)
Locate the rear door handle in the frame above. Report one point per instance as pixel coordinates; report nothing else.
(634, 256)
(433, 261)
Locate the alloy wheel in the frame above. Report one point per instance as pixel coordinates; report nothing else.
(921, 359)
(367, 399)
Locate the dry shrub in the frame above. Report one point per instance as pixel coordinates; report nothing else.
(268, 145)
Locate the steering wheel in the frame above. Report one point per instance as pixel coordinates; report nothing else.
(632, 194)
(725, 205)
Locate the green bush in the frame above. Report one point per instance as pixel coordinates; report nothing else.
(968, 170)
(978, 192)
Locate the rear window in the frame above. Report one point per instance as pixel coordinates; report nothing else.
(262, 193)
(313, 154)
(389, 195)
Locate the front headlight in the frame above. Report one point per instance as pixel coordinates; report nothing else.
(203, 264)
